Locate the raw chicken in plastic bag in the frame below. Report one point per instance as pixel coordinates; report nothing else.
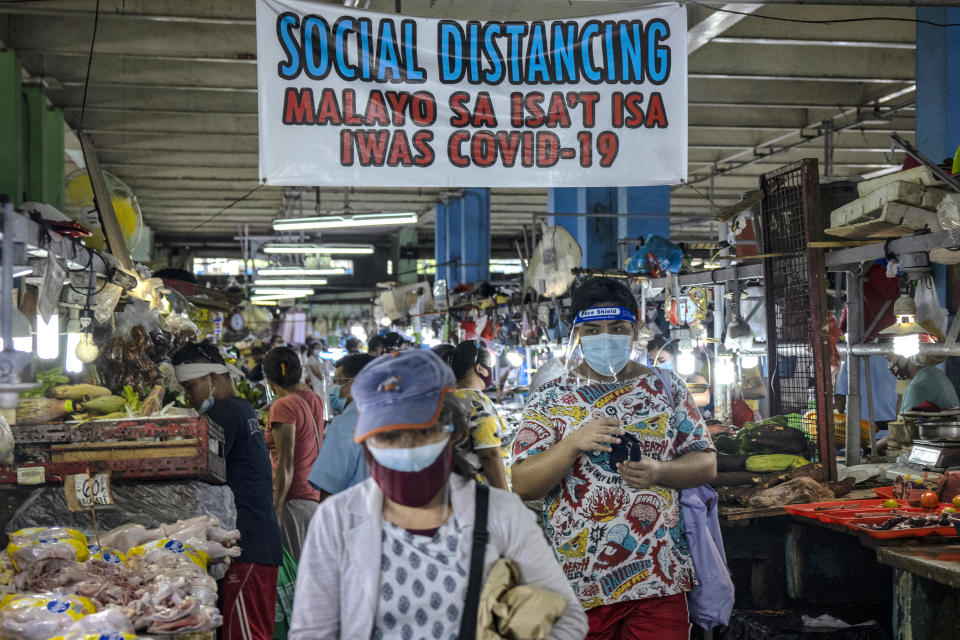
(40, 616)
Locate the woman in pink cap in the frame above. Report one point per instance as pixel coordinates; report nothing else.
(392, 557)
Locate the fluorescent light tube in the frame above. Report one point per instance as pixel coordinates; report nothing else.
(291, 282)
(48, 338)
(340, 222)
(300, 271)
(312, 249)
(260, 291)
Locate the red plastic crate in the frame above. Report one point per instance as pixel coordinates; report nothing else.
(145, 448)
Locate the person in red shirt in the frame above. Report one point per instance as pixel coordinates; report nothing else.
(294, 435)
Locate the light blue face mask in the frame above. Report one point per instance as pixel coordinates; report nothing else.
(666, 366)
(337, 403)
(410, 459)
(607, 353)
(207, 404)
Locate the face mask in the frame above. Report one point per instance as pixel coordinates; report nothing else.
(666, 366)
(336, 402)
(207, 404)
(606, 353)
(424, 470)
(488, 378)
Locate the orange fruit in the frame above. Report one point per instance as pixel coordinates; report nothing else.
(929, 500)
(890, 503)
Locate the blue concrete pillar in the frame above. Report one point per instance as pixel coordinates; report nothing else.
(475, 235)
(938, 83)
(938, 96)
(598, 235)
(440, 242)
(462, 244)
(653, 203)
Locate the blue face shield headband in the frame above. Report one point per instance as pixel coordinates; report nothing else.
(604, 313)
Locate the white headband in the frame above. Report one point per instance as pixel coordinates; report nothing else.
(194, 370)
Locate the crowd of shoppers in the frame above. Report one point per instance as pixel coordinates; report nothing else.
(386, 507)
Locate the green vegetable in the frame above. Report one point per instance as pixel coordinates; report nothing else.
(774, 462)
(48, 380)
(133, 400)
(725, 444)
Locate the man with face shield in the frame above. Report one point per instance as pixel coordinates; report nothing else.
(390, 557)
(608, 445)
(248, 590)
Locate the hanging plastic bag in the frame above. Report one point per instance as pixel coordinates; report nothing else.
(930, 314)
(286, 582)
(657, 252)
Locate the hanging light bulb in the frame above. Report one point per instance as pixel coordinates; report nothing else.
(686, 362)
(72, 363)
(726, 372)
(48, 337)
(906, 346)
(87, 350)
(385, 321)
(515, 358)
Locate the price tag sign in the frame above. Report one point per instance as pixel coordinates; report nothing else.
(84, 491)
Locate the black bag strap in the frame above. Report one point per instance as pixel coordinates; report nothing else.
(468, 622)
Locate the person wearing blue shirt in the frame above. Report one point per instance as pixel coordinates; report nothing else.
(341, 464)
(883, 392)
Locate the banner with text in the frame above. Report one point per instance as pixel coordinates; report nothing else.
(351, 97)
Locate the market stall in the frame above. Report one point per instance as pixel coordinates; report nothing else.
(115, 511)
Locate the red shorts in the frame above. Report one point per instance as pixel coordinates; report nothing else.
(650, 619)
(248, 597)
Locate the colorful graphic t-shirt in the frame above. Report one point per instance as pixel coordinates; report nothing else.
(485, 428)
(616, 543)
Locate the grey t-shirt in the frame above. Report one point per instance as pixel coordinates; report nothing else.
(422, 586)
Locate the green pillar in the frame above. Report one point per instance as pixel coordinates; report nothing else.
(13, 174)
(44, 147)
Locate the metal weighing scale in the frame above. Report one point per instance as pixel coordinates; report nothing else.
(935, 455)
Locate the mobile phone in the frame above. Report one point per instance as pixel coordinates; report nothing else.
(627, 449)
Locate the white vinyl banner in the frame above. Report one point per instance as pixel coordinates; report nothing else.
(351, 97)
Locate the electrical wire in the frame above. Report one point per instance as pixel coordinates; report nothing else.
(214, 216)
(834, 21)
(86, 79)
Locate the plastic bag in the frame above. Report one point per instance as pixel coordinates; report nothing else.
(286, 582)
(150, 504)
(668, 256)
(40, 616)
(930, 315)
(6, 442)
(29, 553)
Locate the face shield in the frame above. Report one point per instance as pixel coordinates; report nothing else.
(603, 345)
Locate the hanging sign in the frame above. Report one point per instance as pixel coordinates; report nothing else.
(351, 97)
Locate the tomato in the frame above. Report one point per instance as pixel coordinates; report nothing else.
(929, 500)
(890, 504)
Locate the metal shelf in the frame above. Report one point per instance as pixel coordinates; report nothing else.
(32, 234)
(715, 276)
(835, 260)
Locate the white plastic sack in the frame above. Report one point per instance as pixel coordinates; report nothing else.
(930, 313)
